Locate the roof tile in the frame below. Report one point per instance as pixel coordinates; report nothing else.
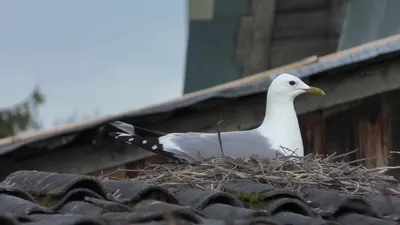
(269, 198)
(17, 192)
(223, 211)
(83, 200)
(12, 204)
(92, 206)
(200, 199)
(151, 216)
(250, 221)
(55, 184)
(328, 202)
(265, 192)
(289, 217)
(130, 192)
(151, 205)
(8, 220)
(355, 218)
(55, 203)
(386, 205)
(65, 219)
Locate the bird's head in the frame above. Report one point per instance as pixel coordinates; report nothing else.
(287, 87)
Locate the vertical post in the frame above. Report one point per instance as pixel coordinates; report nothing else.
(263, 21)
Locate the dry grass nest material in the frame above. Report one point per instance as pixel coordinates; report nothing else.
(293, 173)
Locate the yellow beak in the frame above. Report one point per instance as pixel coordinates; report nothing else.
(315, 90)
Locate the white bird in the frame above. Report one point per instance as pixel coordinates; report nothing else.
(279, 131)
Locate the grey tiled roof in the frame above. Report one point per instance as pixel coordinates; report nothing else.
(33, 198)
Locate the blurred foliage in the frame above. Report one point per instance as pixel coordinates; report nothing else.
(22, 116)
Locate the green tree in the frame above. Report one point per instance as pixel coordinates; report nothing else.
(22, 116)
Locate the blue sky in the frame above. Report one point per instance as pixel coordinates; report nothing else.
(90, 57)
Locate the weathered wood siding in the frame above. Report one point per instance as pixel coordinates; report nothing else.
(291, 31)
(363, 125)
(305, 28)
(131, 169)
(393, 125)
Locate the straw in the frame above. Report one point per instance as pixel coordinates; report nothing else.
(292, 173)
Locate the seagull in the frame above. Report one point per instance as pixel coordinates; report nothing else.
(278, 132)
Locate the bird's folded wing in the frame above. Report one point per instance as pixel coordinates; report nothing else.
(207, 145)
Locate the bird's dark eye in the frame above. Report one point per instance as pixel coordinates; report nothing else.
(292, 83)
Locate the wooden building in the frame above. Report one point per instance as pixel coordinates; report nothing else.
(230, 39)
(359, 111)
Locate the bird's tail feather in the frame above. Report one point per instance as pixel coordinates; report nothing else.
(151, 144)
(130, 129)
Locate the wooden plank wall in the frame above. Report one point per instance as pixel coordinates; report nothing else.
(290, 31)
(394, 127)
(254, 38)
(131, 169)
(305, 28)
(365, 125)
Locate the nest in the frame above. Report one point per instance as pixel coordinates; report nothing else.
(292, 173)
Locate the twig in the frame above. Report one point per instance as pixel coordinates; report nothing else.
(284, 172)
(384, 168)
(357, 188)
(224, 178)
(344, 155)
(219, 138)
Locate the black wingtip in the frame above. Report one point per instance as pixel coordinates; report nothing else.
(117, 134)
(151, 144)
(113, 134)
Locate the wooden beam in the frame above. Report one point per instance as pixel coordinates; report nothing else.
(311, 126)
(82, 159)
(303, 5)
(394, 129)
(303, 24)
(347, 86)
(372, 131)
(244, 40)
(338, 11)
(113, 172)
(263, 21)
(135, 168)
(290, 50)
(386, 122)
(339, 130)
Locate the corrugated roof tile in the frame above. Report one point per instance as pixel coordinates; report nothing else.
(84, 202)
(330, 203)
(130, 192)
(199, 199)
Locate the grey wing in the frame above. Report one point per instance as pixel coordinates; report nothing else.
(235, 143)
